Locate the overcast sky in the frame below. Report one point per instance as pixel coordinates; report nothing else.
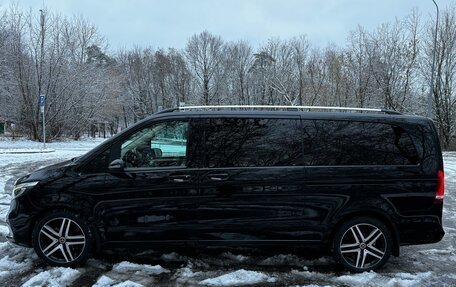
(169, 23)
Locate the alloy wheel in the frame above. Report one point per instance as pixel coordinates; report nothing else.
(363, 246)
(62, 240)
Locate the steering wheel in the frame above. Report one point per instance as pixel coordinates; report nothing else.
(146, 155)
(132, 158)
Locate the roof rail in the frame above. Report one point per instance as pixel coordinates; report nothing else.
(166, 111)
(184, 108)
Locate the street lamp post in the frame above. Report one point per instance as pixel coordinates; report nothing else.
(43, 120)
(431, 88)
(41, 71)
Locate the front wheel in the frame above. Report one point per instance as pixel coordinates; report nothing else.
(362, 244)
(62, 239)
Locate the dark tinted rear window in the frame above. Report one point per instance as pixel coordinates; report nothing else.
(356, 143)
(238, 142)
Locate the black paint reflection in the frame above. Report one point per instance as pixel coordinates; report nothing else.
(357, 143)
(240, 142)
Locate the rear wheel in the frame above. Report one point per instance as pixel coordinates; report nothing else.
(362, 244)
(62, 239)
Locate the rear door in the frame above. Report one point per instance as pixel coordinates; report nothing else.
(251, 180)
(360, 166)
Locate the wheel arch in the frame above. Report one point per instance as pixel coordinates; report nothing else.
(395, 250)
(67, 208)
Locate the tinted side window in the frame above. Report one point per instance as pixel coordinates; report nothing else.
(234, 142)
(159, 145)
(357, 143)
(98, 164)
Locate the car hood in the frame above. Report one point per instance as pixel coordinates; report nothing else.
(47, 173)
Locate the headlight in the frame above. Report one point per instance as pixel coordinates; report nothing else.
(20, 188)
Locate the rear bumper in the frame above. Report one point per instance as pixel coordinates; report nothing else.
(420, 230)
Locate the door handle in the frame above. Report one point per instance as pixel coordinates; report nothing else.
(180, 178)
(218, 176)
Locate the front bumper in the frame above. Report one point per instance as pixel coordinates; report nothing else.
(11, 239)
(20, 225)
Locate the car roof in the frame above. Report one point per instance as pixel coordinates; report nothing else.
(353, 116)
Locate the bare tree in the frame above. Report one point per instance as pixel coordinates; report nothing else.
(238, 63)
(282, 80)
(317, 76)
(300, 46)
(179, 77)
(261, 71)
(42, 50)
(205, 54)
(444, 92)
(338, 89)
(138, 80)
(358, 67)
(9, 107)
(393, 52)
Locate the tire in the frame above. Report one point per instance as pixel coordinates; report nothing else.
(362, 244)
(62, 239)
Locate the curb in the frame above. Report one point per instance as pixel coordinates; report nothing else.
(25, 151)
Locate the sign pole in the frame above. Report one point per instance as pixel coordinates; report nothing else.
(44, 123)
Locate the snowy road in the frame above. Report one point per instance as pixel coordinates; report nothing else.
(425, 265)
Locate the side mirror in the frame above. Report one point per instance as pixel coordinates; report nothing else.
(116, 166)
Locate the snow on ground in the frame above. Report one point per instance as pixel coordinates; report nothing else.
(15, 260)
(3, 230)
(7, 144)
(425, 265)
(105, 281)
(138, 269)
(58, 276)
(137, 274)
(237, 278)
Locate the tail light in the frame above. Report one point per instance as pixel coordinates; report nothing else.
(440, 192)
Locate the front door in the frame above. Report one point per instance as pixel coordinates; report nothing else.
(151, 201)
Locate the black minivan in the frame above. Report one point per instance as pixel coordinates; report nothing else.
(356, 182)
